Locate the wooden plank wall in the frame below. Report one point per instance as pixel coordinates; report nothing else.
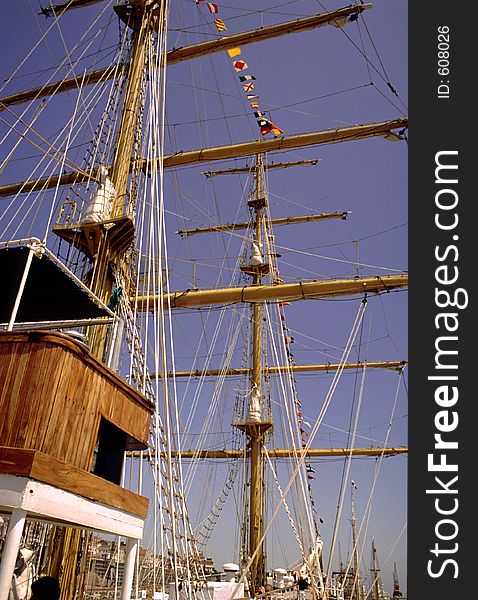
(53, 394)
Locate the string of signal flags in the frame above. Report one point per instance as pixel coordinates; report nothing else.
(265, 125)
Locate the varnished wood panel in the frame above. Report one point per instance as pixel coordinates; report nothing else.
(53, 394)
(44, 468)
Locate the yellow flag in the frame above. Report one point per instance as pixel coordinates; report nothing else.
(234, 52)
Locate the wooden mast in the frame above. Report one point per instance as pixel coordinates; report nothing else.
(64, 557)
(256, 428)
(140, 21)
(255, 425)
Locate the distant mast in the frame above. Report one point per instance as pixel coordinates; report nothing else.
(376, 587)
(356, 590)
(396, 584)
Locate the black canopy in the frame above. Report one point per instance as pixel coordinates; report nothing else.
(50, 294)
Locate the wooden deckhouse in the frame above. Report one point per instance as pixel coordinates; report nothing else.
(67, 418)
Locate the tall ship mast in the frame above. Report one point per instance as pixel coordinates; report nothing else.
(185, 351)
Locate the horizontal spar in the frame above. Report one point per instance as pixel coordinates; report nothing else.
(58, 87)
(281, 453)
(335, 17)
(280, 292)
(392, 365)
(283, 221)
(329, 136)
(59, 9)
(46, 183)
(190, 52)
(267, 167)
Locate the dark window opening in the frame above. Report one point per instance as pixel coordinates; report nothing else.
(109, 452)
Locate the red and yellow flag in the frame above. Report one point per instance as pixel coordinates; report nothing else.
(220, 25)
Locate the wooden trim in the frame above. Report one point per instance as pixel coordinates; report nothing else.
(45, 503)
(41, 467)
(61, 339)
